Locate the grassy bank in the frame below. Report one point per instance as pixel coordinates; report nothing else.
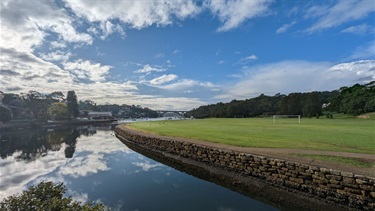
(347, 135)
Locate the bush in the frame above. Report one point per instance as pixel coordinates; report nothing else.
(46, 196)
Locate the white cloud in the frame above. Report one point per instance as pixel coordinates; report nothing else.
(136, 14)
(15, 175)
(247, 59)
(56, 44)
(361, 71)
(285, 27)
(359, 29)
(106, 28)
(56, 56)
(186, 84)
(148, 69)
(234, 13)
(87, 70)
(297, 76)
(170, 103)
(27, 29)
(176, 52)
(342, 12)
(146, 166)
(251, 57)
(88, 159)
(163, 79)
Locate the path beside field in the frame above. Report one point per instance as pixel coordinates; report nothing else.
(286, 154)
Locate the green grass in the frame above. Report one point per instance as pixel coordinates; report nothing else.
(347, 135)
(357, 162)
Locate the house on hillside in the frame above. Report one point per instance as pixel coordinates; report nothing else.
(100, 115)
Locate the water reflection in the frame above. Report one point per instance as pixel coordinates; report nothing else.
(35, 144)
(96, 166)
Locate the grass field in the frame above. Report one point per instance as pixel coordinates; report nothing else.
(346, 135)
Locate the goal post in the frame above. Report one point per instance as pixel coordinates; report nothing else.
(286, 117)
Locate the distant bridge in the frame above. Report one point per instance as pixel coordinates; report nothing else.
(167, 113)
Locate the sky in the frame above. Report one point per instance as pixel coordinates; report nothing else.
(181, 54)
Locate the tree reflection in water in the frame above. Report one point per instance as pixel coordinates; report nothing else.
(31, 145)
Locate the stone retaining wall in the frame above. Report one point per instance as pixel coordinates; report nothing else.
(342, 188)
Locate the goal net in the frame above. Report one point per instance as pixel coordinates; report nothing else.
(287, 119)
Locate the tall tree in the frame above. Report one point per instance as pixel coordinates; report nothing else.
(36, 103)
(58, 111)
(72, 103)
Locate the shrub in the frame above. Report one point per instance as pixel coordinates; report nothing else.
(46, 196)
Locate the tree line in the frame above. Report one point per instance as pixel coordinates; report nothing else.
(353, 100)
(36, 105)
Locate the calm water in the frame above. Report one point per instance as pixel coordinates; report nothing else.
(96, 166)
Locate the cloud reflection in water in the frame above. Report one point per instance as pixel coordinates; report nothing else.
(89, 158)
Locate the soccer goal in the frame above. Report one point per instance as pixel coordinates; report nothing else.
(283, 118)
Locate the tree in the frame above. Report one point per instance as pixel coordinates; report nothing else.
(71, 101)
(312, 106)
(45, 196)
(56, 96)
(58, 111)
(36, 103)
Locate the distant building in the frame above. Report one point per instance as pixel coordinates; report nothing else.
(100, 115)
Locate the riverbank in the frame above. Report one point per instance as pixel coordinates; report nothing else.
(330, 186)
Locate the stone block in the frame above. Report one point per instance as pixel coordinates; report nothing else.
(347, 180)
(325, 170)
(362, 181)
(293, 172)
(306, 177)
(335, 177)
(332, 181)
(283, 176)
(335, 172)
(347, 174)
(334, 186)
(296, 180)
(292, 184)
(367, 187)
(352, 190)
(313, 168)
(342, 192)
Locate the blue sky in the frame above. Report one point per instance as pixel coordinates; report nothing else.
(180, 54)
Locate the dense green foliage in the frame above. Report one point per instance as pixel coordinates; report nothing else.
(45, 196)
(355, 100)
(347, 135)
(31, 104)
(349, 100)
(72, 103)
(306, 104)
(35, 105)
(122, 111)
(58, 111)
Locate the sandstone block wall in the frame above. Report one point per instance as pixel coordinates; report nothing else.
(343, 188)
